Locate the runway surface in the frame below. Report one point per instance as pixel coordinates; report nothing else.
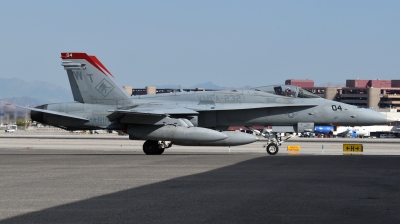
(107, 179)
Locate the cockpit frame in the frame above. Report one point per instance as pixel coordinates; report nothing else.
(287, 91)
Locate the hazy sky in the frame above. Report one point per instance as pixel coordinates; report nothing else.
(231, 43)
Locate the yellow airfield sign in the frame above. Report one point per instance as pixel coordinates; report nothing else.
(293, 148)
(353, 148)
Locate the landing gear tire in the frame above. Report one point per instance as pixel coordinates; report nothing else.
(160, 151)
(152, 148)
(272, 149)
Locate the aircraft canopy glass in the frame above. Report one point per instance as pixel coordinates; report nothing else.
(286, 90)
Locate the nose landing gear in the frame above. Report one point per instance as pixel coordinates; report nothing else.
(274, 141)
(155, 147)
(272, 149)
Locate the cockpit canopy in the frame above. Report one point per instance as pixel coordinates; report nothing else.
(286, 90)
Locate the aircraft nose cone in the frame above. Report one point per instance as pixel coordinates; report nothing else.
(371, 117)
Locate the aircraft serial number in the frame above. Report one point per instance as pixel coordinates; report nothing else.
(221, 98)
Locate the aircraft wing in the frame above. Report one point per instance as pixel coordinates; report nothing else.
(151, 114)
(244, 106)
(156, 111)
(53, 113)
(150, 111)
(192, 109)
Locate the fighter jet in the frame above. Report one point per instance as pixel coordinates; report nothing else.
(191, 118)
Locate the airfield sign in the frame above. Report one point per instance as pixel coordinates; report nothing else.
(352, 147)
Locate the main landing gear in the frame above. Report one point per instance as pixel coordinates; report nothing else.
(155, 147)
(274, 141)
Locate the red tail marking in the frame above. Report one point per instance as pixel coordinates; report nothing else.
(100, 64)
(91, 59)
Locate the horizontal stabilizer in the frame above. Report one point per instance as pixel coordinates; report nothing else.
(54, 113)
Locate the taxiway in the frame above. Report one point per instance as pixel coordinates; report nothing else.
(107, 179)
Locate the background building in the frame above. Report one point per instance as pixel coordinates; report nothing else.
(300, 82)
(383, 95)
(380, 95)
(154, 90)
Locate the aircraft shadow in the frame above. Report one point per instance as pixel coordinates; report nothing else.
(305, 189)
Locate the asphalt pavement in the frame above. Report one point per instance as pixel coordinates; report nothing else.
(47, 180)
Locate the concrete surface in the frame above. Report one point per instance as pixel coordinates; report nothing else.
(107, 179)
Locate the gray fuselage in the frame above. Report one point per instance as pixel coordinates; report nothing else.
(221, 109)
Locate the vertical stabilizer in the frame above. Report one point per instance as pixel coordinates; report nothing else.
(91, 82)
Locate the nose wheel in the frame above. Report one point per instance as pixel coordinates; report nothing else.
(272, 149)
(274, 141)
(155, 147)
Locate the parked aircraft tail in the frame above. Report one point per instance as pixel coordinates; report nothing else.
(91, 82)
